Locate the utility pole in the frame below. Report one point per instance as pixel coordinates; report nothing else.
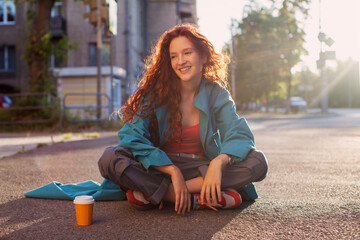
(111, 77)
(98, 13)
(324, 87)
(321, 63)
(112, 17)
(98, 58)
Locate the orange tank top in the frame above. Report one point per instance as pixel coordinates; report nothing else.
(190, 142)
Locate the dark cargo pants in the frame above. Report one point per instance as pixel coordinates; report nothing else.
(118, 165)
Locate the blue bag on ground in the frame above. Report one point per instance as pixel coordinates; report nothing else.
(55, 190)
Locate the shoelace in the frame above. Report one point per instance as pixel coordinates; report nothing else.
(209, 206)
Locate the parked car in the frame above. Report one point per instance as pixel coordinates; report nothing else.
(297, 104)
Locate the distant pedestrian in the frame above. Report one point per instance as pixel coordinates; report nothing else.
(183, 141)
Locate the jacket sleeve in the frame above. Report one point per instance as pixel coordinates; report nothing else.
(135, 137)
(235, 134)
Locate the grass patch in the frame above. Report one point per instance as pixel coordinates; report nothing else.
(91, 135)
(66, 136)
(22, 150)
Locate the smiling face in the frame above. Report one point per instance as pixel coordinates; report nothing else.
(186, 61)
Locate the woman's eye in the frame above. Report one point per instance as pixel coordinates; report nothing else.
(172, 57)
(187, 53)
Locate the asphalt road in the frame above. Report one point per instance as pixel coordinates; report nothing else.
(312, 190)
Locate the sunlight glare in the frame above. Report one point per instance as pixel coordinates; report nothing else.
(341, 22)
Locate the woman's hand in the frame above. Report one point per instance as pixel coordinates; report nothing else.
(182, 194)
(211, 188)
(178, 191)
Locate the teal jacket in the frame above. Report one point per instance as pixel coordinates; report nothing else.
(221, 131)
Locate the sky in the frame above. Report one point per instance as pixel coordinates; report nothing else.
(340, 20)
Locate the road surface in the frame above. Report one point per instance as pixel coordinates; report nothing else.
(312, 190)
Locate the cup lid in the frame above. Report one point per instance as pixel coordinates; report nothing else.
(84, 199)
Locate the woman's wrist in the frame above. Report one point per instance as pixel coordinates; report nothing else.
(223, 159)
(168, 169)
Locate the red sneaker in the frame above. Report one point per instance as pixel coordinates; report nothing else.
(229, 199)
(138, 200)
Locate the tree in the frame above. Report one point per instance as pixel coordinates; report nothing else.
(268, 44)
(39, 41)
(39, 46)
(292, 37)
(257, 56)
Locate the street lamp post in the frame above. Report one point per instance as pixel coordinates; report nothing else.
(98, 56)
(321, 63)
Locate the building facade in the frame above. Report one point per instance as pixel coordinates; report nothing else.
(139, 24)
(12, 25)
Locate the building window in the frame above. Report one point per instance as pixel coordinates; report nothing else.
(56, 10)
(7, 59)
(7, 12)
(57, 61)
(105, 54)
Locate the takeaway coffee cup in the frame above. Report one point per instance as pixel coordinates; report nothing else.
(84, 209)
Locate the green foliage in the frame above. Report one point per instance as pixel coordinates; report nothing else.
(28, 110)
(268, 44)
(30, 16)
(53, 124)
(61, 48)
(40, 46)
(44, 48)
(22, 150)
(14, 116)
(306, 84)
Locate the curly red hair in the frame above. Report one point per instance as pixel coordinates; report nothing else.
(160, 85)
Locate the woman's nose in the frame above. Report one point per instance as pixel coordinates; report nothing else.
(182, 59)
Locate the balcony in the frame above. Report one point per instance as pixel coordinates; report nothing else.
(58, 27)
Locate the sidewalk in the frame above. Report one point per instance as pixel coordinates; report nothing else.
(12, 143)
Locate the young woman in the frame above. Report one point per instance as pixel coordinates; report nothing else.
(183, 141)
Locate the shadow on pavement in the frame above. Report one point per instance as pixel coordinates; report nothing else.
(71, 162)
(28, 218)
